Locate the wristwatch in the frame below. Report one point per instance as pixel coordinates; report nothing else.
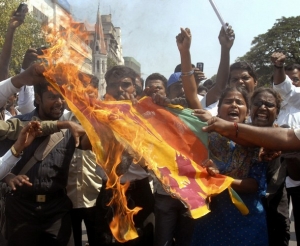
(15, 153)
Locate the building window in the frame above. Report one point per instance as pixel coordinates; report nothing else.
(97, 48)
(40, 16)
(103, 67)
(98, 66)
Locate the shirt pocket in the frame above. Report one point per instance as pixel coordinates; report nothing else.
(61, 157)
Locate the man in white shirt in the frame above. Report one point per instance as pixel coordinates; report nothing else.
(293, 71)
(10, 86)
(290, 115)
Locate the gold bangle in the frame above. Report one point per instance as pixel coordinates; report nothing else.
(15, 153)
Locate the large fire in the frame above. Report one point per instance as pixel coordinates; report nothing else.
(62, 71)
(146, 132)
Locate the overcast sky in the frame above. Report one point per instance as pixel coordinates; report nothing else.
(149, 27)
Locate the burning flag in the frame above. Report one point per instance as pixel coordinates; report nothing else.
(168, 141)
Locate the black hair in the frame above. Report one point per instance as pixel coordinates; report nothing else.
(119, 72)
(139, 89)
(244, 66)
(39, 89)
(142, 81)
(241, 90)
(202, 88)
(292, 67)
(208, 83)
(157, 76)
(275, 94)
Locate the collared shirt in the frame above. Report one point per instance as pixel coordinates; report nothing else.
(290, 107)
(51, 174)
(83, 184)
(289, 112)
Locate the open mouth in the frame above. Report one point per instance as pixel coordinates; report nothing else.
(233, 114)
(57, 110)
(261, 117)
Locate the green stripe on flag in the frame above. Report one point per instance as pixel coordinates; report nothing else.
(192, 122)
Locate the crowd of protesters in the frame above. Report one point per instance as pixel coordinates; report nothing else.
(55, 182)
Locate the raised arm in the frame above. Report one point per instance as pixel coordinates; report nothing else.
(26, 94)
(31, 76)
(278, 59)
(15, 21)
(183, 40)
(226, 40)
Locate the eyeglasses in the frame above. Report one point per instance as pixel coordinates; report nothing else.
(267, 104)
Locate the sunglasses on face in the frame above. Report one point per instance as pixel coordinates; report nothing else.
(267, 104)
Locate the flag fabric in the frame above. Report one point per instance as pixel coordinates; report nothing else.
(168, 140)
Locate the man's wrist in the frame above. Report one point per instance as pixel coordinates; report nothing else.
(225, 48)
(184, 51)
(16, 150)
(63, 124)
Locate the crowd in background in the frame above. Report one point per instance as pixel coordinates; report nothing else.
(54, 187)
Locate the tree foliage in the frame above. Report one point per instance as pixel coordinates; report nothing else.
(283, 37)
(29, 34)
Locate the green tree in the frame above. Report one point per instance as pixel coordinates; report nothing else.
(284, 37)
(29, 34)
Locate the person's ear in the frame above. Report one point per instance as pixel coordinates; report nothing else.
(37, 98)
(255, 83)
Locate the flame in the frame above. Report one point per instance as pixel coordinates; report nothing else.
(115, 128)
(63, 65)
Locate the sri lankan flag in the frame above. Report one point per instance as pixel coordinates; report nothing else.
(169, 141)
